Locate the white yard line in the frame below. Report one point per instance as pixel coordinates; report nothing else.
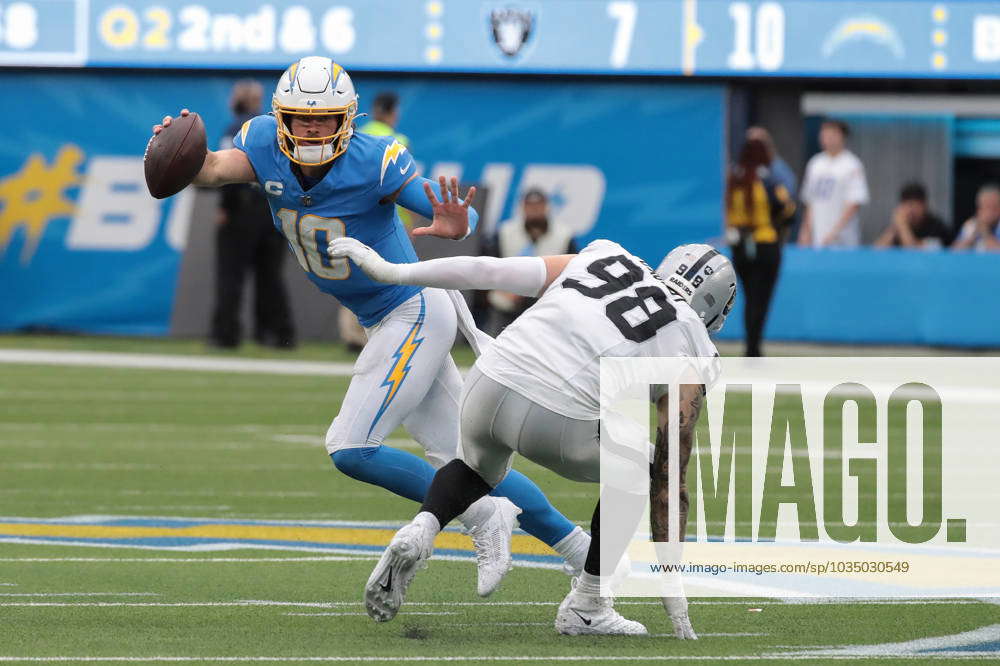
(149, 467)
(843, 601)
(80, 594)
(516, 658)
(120, 604)
(366, 614)
(186, 560)
(173, 362)
(471, 604)
(919, 647)
(718, 634)
(178, 507)
(89, 519)
(499, 624)
(348, 553)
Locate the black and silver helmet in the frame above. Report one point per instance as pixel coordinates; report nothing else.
(704, 278)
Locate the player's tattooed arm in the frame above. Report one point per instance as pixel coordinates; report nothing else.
(690, 400)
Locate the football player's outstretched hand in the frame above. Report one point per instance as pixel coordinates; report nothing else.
(451, 213)
(367, 259)
(677, 609)
(167, 120)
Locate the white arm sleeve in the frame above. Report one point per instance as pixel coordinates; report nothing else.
(524, 276)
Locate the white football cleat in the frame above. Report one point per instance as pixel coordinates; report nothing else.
(677, 609)
(406, 554)
(492, 542)
(585, 614)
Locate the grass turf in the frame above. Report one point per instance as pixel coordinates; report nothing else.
(79, 441)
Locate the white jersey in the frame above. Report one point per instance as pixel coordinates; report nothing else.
(606, 302)
(832, 183)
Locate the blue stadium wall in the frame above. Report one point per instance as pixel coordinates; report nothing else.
(84, 247)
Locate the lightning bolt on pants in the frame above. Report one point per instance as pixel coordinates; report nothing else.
(406, 376)
(405, 361)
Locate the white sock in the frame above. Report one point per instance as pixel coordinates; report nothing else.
(478, 513)
(588, 585)
(428, 520)
(573, 547)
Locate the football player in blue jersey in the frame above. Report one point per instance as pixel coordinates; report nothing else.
(324, 180)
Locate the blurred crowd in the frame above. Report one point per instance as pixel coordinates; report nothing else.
(834, 189)
(764, 208)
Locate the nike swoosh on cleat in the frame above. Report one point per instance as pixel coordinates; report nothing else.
(388, 583)
(585, 620)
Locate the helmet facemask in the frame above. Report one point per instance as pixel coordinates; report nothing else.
(704, 278)
(318, 150)
(714, 325)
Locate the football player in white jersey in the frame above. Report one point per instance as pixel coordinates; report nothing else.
(535, 391)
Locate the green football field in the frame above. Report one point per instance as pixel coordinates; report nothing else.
(155, 515)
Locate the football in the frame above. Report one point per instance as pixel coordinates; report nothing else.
(175, 156)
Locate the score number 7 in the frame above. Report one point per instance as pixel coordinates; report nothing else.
(623, 11)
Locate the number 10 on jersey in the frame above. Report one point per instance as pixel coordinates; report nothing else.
(308, 237)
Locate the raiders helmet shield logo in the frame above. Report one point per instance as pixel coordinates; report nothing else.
(512, 29)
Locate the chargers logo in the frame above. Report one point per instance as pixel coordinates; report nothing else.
(512, 29)
(863, 28)
(391, 154)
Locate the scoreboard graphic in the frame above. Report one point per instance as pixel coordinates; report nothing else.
(797, 38)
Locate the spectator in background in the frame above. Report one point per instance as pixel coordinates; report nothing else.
(912, 224)
(531, 234)
(758, 208)
(384, 119)
(247, 240)
(982, 230)
(781, 173)
(834, 189)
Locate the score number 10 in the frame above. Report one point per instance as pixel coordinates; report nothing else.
(768, 50)
(758, 41)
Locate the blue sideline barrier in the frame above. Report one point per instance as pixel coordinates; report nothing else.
(884, 297)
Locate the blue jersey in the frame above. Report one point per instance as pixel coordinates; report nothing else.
(346, 202)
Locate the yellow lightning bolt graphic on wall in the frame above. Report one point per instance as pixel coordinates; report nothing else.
(35, 195)
(392, 153)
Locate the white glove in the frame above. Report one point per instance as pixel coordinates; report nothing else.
(677, 609)
(367, 259)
